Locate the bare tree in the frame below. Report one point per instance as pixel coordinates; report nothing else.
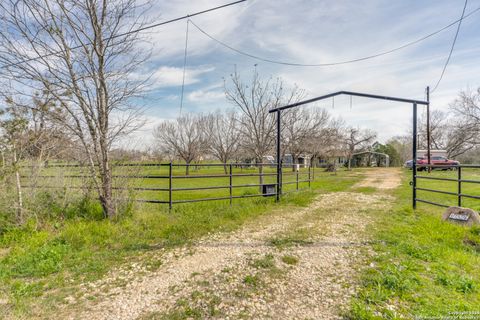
(80, 53)
(467, 105)
(356, 139)
(300, 127)
(456, 133)
(28, 135)
(15, 141)
(254, 99)
(466, 130)
(223, 136)
(184, 137)
(46, 137)
(327, 143)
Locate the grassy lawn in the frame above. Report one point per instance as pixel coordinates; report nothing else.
(450, 186)
(42, 264)
(423, 267)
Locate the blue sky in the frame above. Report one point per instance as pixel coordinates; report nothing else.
(313, 32)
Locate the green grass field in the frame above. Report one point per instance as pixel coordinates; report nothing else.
(450, 186)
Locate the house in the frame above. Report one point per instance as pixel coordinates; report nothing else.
(303, 160)
(338, 160)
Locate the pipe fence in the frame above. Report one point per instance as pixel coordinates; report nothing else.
(454, 186)
(176, 183)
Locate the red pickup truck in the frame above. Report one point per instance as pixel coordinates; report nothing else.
(438, 161)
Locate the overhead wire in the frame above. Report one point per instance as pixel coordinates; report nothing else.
(13, 64)
(376, 55)
(184, 68)
(452, 48)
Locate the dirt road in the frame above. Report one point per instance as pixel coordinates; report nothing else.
(381, 178)
(299, 263)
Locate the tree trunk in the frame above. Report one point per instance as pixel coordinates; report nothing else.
(18, 185)
(106, 182)
(225, 168)
(106, 197)
(187, 168)
(349, 163)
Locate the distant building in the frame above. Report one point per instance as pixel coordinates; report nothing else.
(433, 153)
(303, 160)
(322, 162)
(370, 159)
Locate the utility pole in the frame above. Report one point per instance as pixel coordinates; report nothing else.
(428, 128)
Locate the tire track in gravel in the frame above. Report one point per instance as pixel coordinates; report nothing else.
(381, 178)
(210, 278)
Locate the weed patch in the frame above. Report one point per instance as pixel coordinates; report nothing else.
(252, 280)
(266, 262)
(291, 260)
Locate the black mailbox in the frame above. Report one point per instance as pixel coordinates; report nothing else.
(268, 190)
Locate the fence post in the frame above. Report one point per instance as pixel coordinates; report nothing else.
(231, 178)
(313, 173)
(170, 187)
(414, 157)
(297, 169)
(309, 175)
(459, 169)
(279, 157)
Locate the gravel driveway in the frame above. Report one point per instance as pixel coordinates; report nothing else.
(298, 263)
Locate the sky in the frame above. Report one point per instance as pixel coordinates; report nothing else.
(313, 32)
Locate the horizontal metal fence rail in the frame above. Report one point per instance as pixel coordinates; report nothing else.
(305, 176)
(459, 183)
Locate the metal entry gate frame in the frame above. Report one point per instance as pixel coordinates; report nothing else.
(414, 103)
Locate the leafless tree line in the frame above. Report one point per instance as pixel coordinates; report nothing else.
(248, 131)
(456, 129)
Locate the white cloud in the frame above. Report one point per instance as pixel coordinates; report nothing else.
(203, 96)
(165, 76)
(324, 31)
(168, 41)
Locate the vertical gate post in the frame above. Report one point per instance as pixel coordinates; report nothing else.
(231, 178)
(279, 157)
(297, 169)
(459, 169)
(428, 130)
(414, 158)
(170, 202)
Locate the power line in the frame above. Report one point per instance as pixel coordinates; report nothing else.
(451, 49)
(184, 68)
(333, 63)
(127, 33)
